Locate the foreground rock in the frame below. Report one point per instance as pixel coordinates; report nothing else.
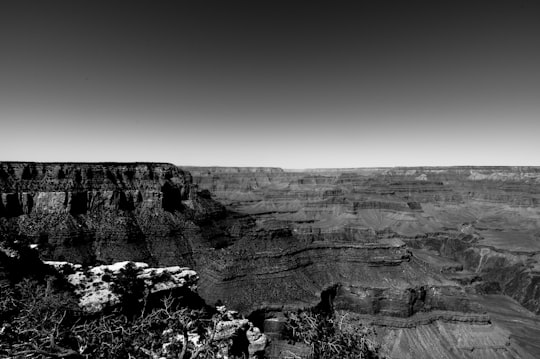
(100, 287)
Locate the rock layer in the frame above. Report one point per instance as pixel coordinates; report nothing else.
(463, 230)
(397, 244)
(104, 213)
(486, 219)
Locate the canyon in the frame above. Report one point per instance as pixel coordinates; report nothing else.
(442, 261)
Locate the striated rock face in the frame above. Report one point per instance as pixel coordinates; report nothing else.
(372, 278)
(484, 222)
(104, 213)
(409, 248)
(388, 243)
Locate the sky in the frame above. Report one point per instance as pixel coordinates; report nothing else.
(271, 83)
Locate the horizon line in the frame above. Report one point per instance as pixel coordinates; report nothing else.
(267, 167)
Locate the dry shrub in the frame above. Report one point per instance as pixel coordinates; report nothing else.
(39, 322)
(329, 336)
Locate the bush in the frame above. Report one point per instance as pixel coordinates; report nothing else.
(39, 322)
(129, 288)
(162, 332)
(35, 319)
(330, 336)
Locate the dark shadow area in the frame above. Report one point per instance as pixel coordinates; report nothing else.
(121, 201)
(29, 203)
(172, 197)
(13, 206)
(78, 203)
(326, 305)
(257, 317)
(240, 343)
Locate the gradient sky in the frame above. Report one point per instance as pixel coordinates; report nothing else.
(279, 83)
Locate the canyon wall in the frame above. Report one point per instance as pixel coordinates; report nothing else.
(104, 213)
(486, 219)
(436, 237)
(408, 249)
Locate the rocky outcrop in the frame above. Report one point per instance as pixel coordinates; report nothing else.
(101, 287)
(374, 278)
(512, 271)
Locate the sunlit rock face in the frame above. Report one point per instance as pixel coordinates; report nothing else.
(100, 287)
(95, 286)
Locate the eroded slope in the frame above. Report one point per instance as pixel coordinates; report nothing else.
(453, 232)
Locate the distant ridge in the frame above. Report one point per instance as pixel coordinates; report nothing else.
(225, 169)
(236, 169)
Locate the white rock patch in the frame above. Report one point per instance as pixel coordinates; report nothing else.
(94, 285)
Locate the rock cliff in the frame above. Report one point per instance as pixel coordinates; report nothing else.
(394, 243)
(104, 213)
(406, 248)
(485, 219)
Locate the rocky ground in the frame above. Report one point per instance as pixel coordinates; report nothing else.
(423, 255)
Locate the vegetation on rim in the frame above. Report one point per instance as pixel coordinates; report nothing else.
(38, 321)
(329, 335)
